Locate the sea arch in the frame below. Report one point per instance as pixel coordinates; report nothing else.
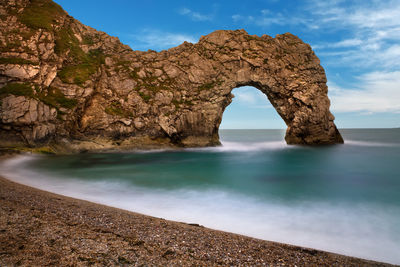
(284, 68)
(99, 94)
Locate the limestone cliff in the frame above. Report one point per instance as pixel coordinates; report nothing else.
(67, 84)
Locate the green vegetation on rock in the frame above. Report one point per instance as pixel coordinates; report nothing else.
(83, 65)
(76, 74)
(122, 65)
(40, 14)
(82, 71)
(65, 40)
(178, 103)
(146, 98)
(125, 66)
(15, 60)
(87, 39)
(51, 96)
(20, 89)
(134, 74)
(55, 98)
(16, 45)
(250, 37)
(116, 109)
(210, 85)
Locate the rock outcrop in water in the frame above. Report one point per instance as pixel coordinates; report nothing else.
(67, 84)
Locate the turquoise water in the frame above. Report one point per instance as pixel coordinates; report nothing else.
(342, 198)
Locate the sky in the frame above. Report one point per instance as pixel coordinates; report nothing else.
(358, 43)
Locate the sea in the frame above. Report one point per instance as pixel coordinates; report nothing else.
(339, 198)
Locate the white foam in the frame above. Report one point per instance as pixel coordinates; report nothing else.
(356, 230)
(370, 144)
(228, 146)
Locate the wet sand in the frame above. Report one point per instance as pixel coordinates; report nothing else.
(39, 228)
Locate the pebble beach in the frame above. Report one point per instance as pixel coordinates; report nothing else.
(39, 228)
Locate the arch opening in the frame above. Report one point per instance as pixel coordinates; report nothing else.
(252, 115)
(250, 109)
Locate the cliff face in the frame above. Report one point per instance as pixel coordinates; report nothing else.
(65, 83)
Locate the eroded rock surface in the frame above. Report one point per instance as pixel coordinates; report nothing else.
(65, 83)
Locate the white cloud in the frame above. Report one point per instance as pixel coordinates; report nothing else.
(267, 18)
(374, 26)
(156, 40)
(364, 35)
(376, 16)
(376, 92)
(341, 44)
(266, 12)
(263, 19)
(237, 17)
(245, 98)
(196, 16)
(369, 55)
(371, 29)
(185, 11)
(251, 97)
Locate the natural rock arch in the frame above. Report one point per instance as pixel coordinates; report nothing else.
(83, 89)
(285, 69)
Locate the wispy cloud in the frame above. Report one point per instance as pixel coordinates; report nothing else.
(267, 18)
(158, 40)
(196, 16)
(251, 98)
(373, 25)
(363, 56)
(237, 17)
(371, 28)
(246, 97)
(341, 44)
(361, 14)
(376, 92)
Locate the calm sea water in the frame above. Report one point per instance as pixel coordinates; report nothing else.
(342, 198)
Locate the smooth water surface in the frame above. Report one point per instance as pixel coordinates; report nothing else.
(342, 198)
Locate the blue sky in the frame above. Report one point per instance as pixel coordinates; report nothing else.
(357, 41)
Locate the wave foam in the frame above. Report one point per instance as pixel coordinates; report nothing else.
(228, 146)
(370, 144)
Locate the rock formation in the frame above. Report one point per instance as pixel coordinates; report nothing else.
(69, 85)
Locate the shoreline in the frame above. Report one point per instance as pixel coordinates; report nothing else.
(40, 228)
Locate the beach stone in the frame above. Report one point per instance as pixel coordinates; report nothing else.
(39, 228)
(176, 96)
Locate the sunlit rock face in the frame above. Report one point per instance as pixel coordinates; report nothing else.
(67, 84)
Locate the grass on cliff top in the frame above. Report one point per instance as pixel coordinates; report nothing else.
(40, 14)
